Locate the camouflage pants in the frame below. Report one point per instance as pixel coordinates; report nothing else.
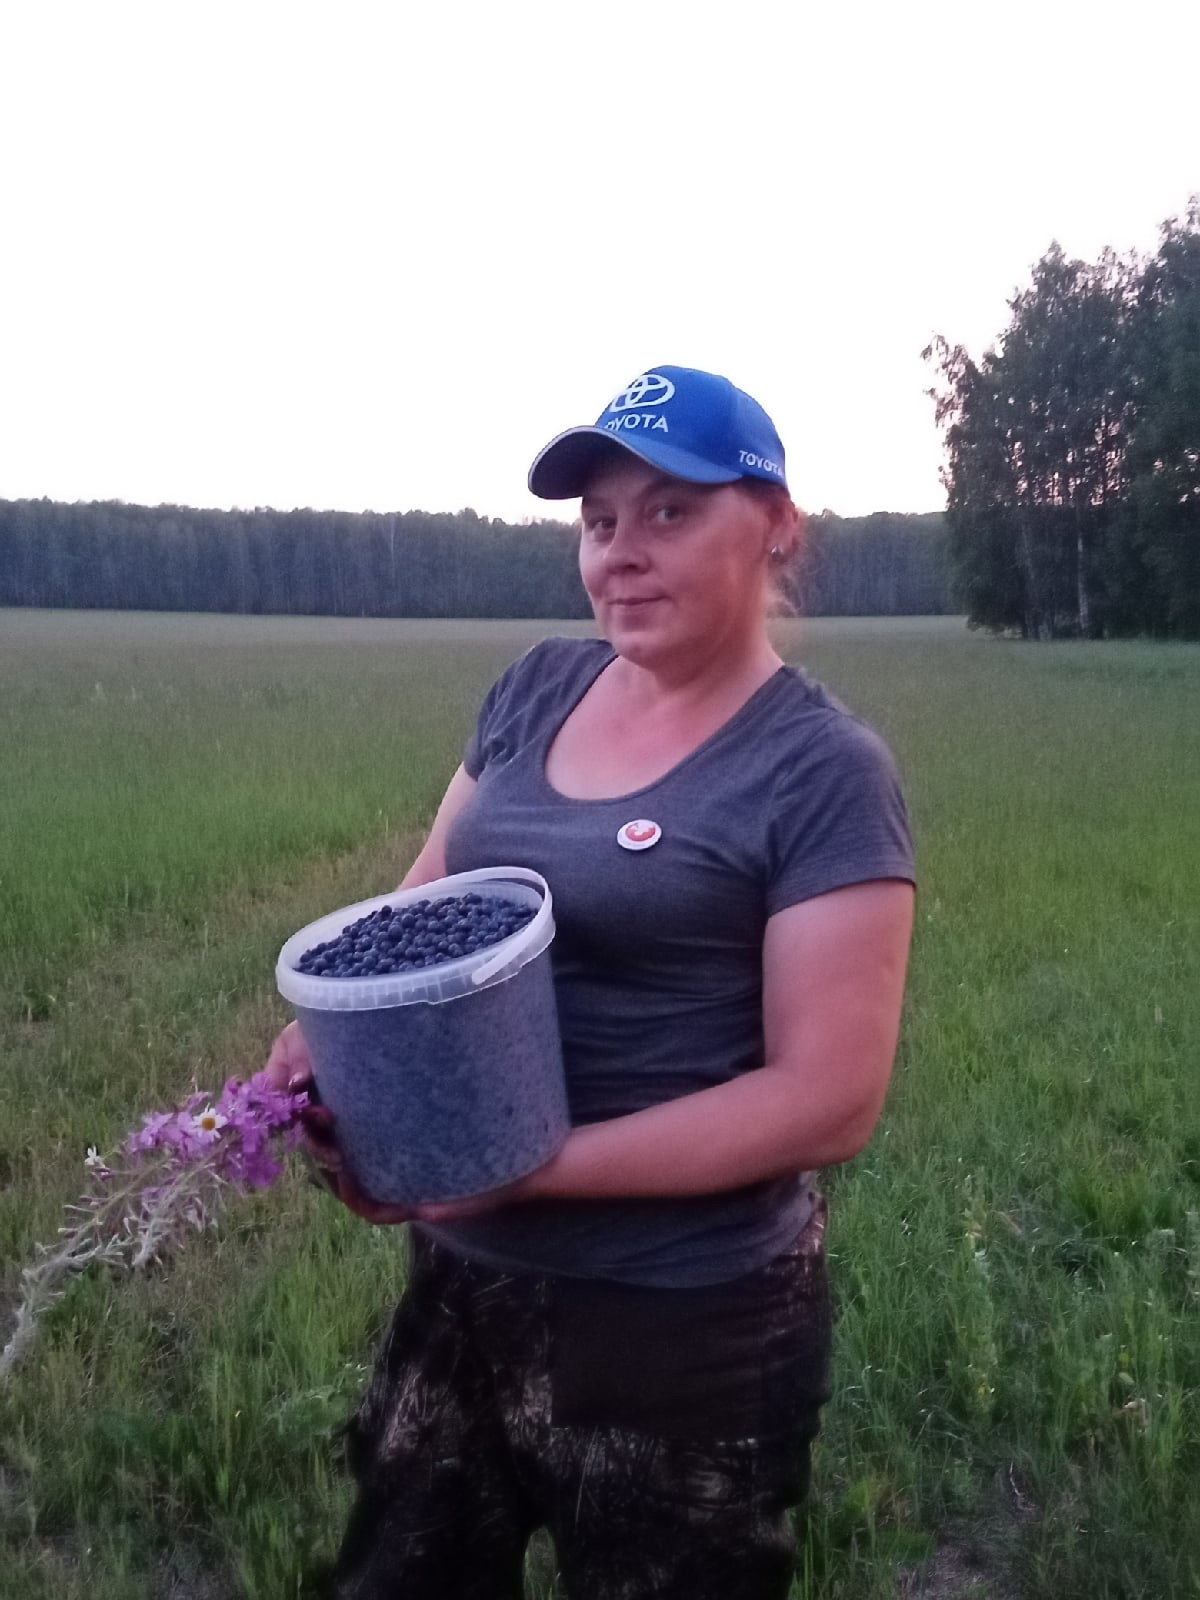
(661, 1436)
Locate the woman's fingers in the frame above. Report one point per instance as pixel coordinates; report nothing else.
(320, 1140)
(456, 1210)
(474, 1205)
(363, 1206)
(289, 1065)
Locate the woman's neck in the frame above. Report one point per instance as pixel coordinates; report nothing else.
(634, 725)
(715, 680)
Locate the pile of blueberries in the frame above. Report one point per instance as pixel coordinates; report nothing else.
(423, 933)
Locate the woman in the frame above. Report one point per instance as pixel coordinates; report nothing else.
(630, 1345)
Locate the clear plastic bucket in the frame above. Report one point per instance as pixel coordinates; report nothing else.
(446, 1081)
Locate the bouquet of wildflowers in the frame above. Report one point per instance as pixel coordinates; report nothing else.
(169, 1179)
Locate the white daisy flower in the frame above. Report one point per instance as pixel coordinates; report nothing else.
(208, 1121)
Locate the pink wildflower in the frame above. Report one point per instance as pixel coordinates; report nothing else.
(177, 1167)
(147, 1136)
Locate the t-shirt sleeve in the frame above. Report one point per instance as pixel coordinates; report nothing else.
(507, 708)
(475, 756)
(838, 817)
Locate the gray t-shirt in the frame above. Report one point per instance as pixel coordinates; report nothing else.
(657, 956)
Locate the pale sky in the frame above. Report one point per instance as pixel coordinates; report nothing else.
(368, 255)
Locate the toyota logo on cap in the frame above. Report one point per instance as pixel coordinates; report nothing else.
(651, 389)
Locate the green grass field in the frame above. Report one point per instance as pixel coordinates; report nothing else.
(1016, 1255)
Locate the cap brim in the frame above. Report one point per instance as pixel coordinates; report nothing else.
(562, 469)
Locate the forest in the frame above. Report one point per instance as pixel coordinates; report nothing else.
(1073, 449)
(1072, 475)
(109, 555)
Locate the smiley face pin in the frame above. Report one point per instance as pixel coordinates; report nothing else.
(639, 834)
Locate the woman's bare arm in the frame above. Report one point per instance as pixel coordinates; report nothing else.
(289, 1065)
(833, 971)
(431, 860)
(833, 986)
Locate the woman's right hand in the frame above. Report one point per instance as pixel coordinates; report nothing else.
(289, 1069)
(289, 1065)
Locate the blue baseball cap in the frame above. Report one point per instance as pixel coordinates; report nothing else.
(691, 424)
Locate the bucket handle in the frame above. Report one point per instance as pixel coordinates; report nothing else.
(542, 915)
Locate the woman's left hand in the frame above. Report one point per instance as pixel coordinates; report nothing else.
(475, 1205)
(322, 1146)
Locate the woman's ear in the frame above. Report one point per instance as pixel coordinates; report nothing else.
(787, 526)
(784, 522)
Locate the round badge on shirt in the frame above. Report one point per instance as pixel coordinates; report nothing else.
(639, 834)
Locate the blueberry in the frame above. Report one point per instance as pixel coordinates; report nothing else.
(416, 936)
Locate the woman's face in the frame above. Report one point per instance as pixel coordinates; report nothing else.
(675, 571)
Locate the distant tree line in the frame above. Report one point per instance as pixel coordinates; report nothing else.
(110, 555)
(885, 564)
(1073, 449)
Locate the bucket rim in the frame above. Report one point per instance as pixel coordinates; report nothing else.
(448, 980)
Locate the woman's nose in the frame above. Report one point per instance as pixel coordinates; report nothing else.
(625, 548)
